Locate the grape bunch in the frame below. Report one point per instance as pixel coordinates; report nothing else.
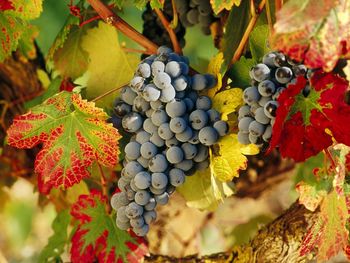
(196, 12)
(154, 30)
(268, 80)
(172, 128)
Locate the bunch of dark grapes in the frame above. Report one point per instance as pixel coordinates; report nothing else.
(172, 128)
(196, 12)
(269, 79)
(155, 31)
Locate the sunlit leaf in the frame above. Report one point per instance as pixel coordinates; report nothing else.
(219, 5)
(228, 101)
(215, 68)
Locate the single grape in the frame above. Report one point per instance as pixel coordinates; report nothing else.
(192, 16)
(176, 177)
(142, 197)
(202, 153)
(157, 67)
(185, 165)
(144, 70)
(156, 191)
(158, 164)
(199, 82)
(137, 222)
(121, 109)
(142, 137)
(130, 193)
(175, 108)
(162, 80)
(151, 204)
(157, 105)
(251, 95)
(133, 210)
(192, 95)
(143, 161)
(268, 59)
(243, 137)
(198, 119)
(162, 199)
(132, 168)
(128, 95)
(140, 105)
(256, 128)
(171, 142)
(189, 150)
(141, 231)
(159, 180)
(283, 75)
(121, 215)
(185, 69)
(180, 83)
(221, 127)
(133, 185)
(174, 154)
(299, 70)
(213, 115)
(122, 183)
(157, 140)
(159, 117)
(137, 83)
(189, 104)
(266, 88)
(167, 94)
(132, 122)
(142, 180)
(280, 60)
(194, 139)
(255, 139)
(173, 69)
(177, 125)
(118, 200)
(185, 136)
(265, 100)
(203, 103)
(211, 81)
(208, 136)
(261, 117)
(270, 109)
(260, 72)
(150, 216)
(151, 93)
(267, 134)
(165, 132)
(244, 123)
(244, 111)
(164, 50)
(132, 150)
(148, 150)
(123, 225)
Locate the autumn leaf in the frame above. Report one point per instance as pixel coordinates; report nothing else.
(215, 68)
(328, 234)
(98, 238)
(74, 134)
(303, 123)
(6, 5)
(219, 5)
(228, 101)
(315, 32)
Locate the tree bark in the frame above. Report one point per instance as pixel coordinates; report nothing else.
(279, 241)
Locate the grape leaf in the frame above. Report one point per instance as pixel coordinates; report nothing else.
(258, 42)
(239, 72)
(71, 60)
(329, 233)
(55, 247)
(28, 9)
(74, 134)
(203, 191)
(215, 68)
(26, 42)
(227, 158)
(6, 5)
(310, 196)
(219, 5)
(97, 236)
(305, 122)
(314, 32)
(228, 101)
(110, 66)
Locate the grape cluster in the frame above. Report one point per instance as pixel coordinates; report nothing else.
(196, 12)
(172, 128)
(154, 30)
(268, 80)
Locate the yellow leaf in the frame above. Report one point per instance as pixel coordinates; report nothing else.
(203, 191)
(228, 101)
(214, 68)
(75, 191)
(227, 158)
(110, 66)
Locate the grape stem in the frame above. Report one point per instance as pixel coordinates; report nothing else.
(249, 29)
(111, 18)
(109, 92)
(169, 29)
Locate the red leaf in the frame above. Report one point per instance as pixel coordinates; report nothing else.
(6, 5)
(74, 134)
(301, 122)
(97, 238)
(314, 31)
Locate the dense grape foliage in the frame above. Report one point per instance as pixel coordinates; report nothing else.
(196, 12)
(155, 31)
(268, 80)
(172, 127)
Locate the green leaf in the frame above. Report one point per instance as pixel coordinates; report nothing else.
(239, 72)
(28, 9)
(219, 5)
(71, 60)
(235, 28)
(110, 66)
(26, 43)
(157, 4)
(118, 3)
(55, 247)
(258, 42)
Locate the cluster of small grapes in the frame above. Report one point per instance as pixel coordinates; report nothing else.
(195, 12)
(172, 128)
(269, 79)
(155, 31)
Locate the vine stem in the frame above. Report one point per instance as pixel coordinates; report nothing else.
(108, 92)
(249, 29)
(278, 5)
(269, 16)
(112, 19)
(170, 31)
